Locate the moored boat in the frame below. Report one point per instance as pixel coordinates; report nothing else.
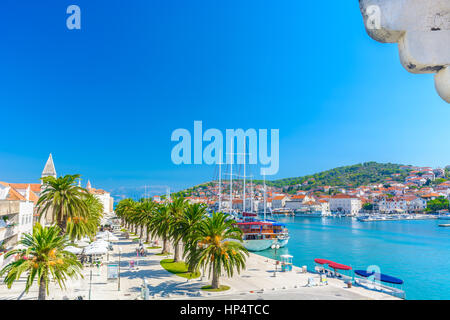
(386, 283)
(283, 240)
(258, 235)
(311, 214)
(282, 212)
(282, 234)
(257, 245)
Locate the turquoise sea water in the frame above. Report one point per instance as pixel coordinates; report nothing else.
(418, 252)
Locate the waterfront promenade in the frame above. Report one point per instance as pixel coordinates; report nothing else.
(256, 282)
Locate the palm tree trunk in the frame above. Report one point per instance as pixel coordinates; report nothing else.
(164, 249)
(177, 252)
(147, 238)
(142, 232)
(215, 280)
(61, 222)
(42, 292)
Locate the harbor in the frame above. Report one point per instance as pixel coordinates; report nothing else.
(262, 279)
(398, 248)
(395, 217)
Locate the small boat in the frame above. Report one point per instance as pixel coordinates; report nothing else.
(394, 286)
(444, 225)
(323, 261)
(282, 212)
(379, 276)
(444, 216)
(311, 214)
(337, 268)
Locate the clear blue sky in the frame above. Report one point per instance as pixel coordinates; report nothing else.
(105, 99)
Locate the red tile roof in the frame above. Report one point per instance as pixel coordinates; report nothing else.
(35, 187)
(13, 193)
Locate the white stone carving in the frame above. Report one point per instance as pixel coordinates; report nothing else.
(422, 30)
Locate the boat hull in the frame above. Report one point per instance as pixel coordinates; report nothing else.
(282, 242)
(309, 215)
(257, 245)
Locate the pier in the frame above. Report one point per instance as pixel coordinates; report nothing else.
(260, 280)
(395, 217)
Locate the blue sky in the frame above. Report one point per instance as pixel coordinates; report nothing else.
(105, 99)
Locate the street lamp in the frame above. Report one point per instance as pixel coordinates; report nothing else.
(90, 283)
(107, 251)
(145, 291)
(118, 282)
(275, 246)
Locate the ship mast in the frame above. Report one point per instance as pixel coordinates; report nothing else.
(264, 175)
(252, 194)
(243, 203)
(231, 177)
(220, 179)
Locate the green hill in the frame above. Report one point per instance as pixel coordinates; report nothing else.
(346, 176)
(354, 176)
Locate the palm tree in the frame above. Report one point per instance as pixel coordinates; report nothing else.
(160, 225)
(125, 210)
(44, 257)
(121, 210)
(133, 217)
(190, 224)
(219, 247)
(145, 211)
(176, 210)
(78, 227)
(63, 199)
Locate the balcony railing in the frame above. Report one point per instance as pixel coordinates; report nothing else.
(8, 232)
(8, 207)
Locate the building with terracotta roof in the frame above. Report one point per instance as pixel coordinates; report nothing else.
(103, 196)
(16, 216)
(345, 204)
(31, 191)
(431, 196)
(279, 201)
(405, 203)
(297, 201)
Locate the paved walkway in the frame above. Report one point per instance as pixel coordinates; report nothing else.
(256, 282)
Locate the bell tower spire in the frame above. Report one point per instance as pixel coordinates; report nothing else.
(49, 169)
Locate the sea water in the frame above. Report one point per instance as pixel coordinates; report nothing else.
(418, 252)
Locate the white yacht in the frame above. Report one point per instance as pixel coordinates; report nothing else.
(312, 214)
(445, 216)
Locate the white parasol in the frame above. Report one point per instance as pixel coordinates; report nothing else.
(73, 250)
(82, 244)
(95, 250)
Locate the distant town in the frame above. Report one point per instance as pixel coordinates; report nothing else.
(399, 189)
